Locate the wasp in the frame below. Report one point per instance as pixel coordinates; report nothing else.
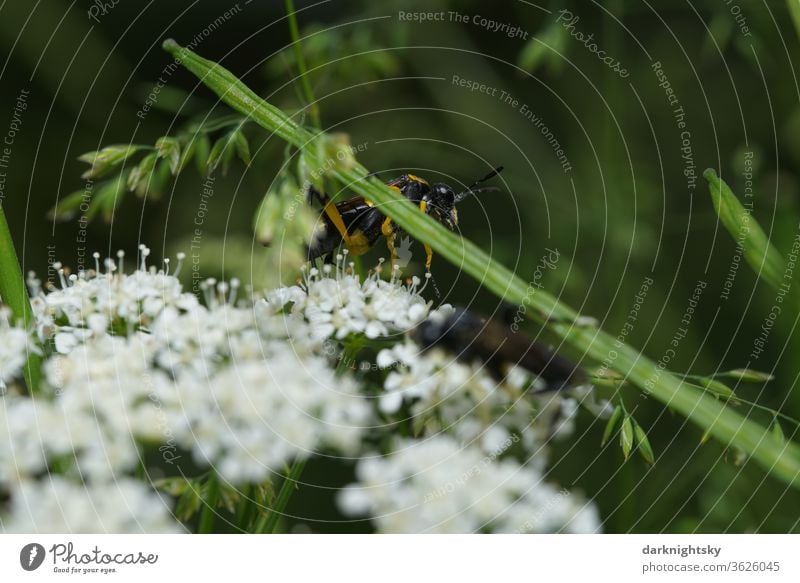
(357, 224)
(471, 337)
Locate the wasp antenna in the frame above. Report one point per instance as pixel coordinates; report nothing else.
(472, 190)
(484, 189)
(491, 174)
(462, 195)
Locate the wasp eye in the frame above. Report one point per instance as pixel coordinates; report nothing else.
(444, 195)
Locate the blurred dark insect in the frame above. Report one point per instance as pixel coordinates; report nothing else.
(471, 337)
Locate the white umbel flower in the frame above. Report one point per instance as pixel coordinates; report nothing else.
(438, 486)
(255, 416)
(244, 387)
(58, 505)
(15, 347)
(337, 303)
(93, 301)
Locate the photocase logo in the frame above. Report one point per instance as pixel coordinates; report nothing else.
(404, 252)
(31, 556)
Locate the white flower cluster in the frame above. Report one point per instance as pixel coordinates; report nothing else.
(218, 381)
(446, 394)
(244, 386)
(254, 416)
(92, 301)
(439, 486)
(100, 402)
(58, 505)
(343, 304)
(15, 347)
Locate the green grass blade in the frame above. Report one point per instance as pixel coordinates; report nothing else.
(15, 296)
(762, 256)
(794, 11)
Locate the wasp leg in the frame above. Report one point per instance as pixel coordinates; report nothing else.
(423, 207)
(389, 234)
(428, 257)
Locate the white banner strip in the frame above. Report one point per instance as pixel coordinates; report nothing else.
(397, 558)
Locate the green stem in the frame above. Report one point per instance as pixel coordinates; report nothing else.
(347, 357)
(704, 410)
(246, 496)
(794, 11)
(313, 107)
(739, 401)
(269, 521)
(215, 124)
(209, 512)
(15, 296)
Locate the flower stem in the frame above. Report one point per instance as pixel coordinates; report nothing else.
(313, 107)
(348, 354)
(269, 521)
(15, 296)
(794, 11)
(209, 512)
(729, 427)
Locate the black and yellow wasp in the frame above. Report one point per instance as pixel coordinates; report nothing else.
(358, 224)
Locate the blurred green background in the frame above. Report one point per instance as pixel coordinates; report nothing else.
(624, 210)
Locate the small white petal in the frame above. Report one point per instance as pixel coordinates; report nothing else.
(65, 342)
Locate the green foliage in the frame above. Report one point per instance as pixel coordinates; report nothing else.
(794, 11)
(716, 387)
(105, 200)
(103, 161)
(170, 150)
(340, 57)
(762, 256)
(630, 434)
(626, 436)
(611, 426)
(545, 49)
(747, 375)
(777, 432)
(643, 444)
(150, 175)
(268, 521)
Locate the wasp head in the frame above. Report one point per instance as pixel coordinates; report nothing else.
(442, 205)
